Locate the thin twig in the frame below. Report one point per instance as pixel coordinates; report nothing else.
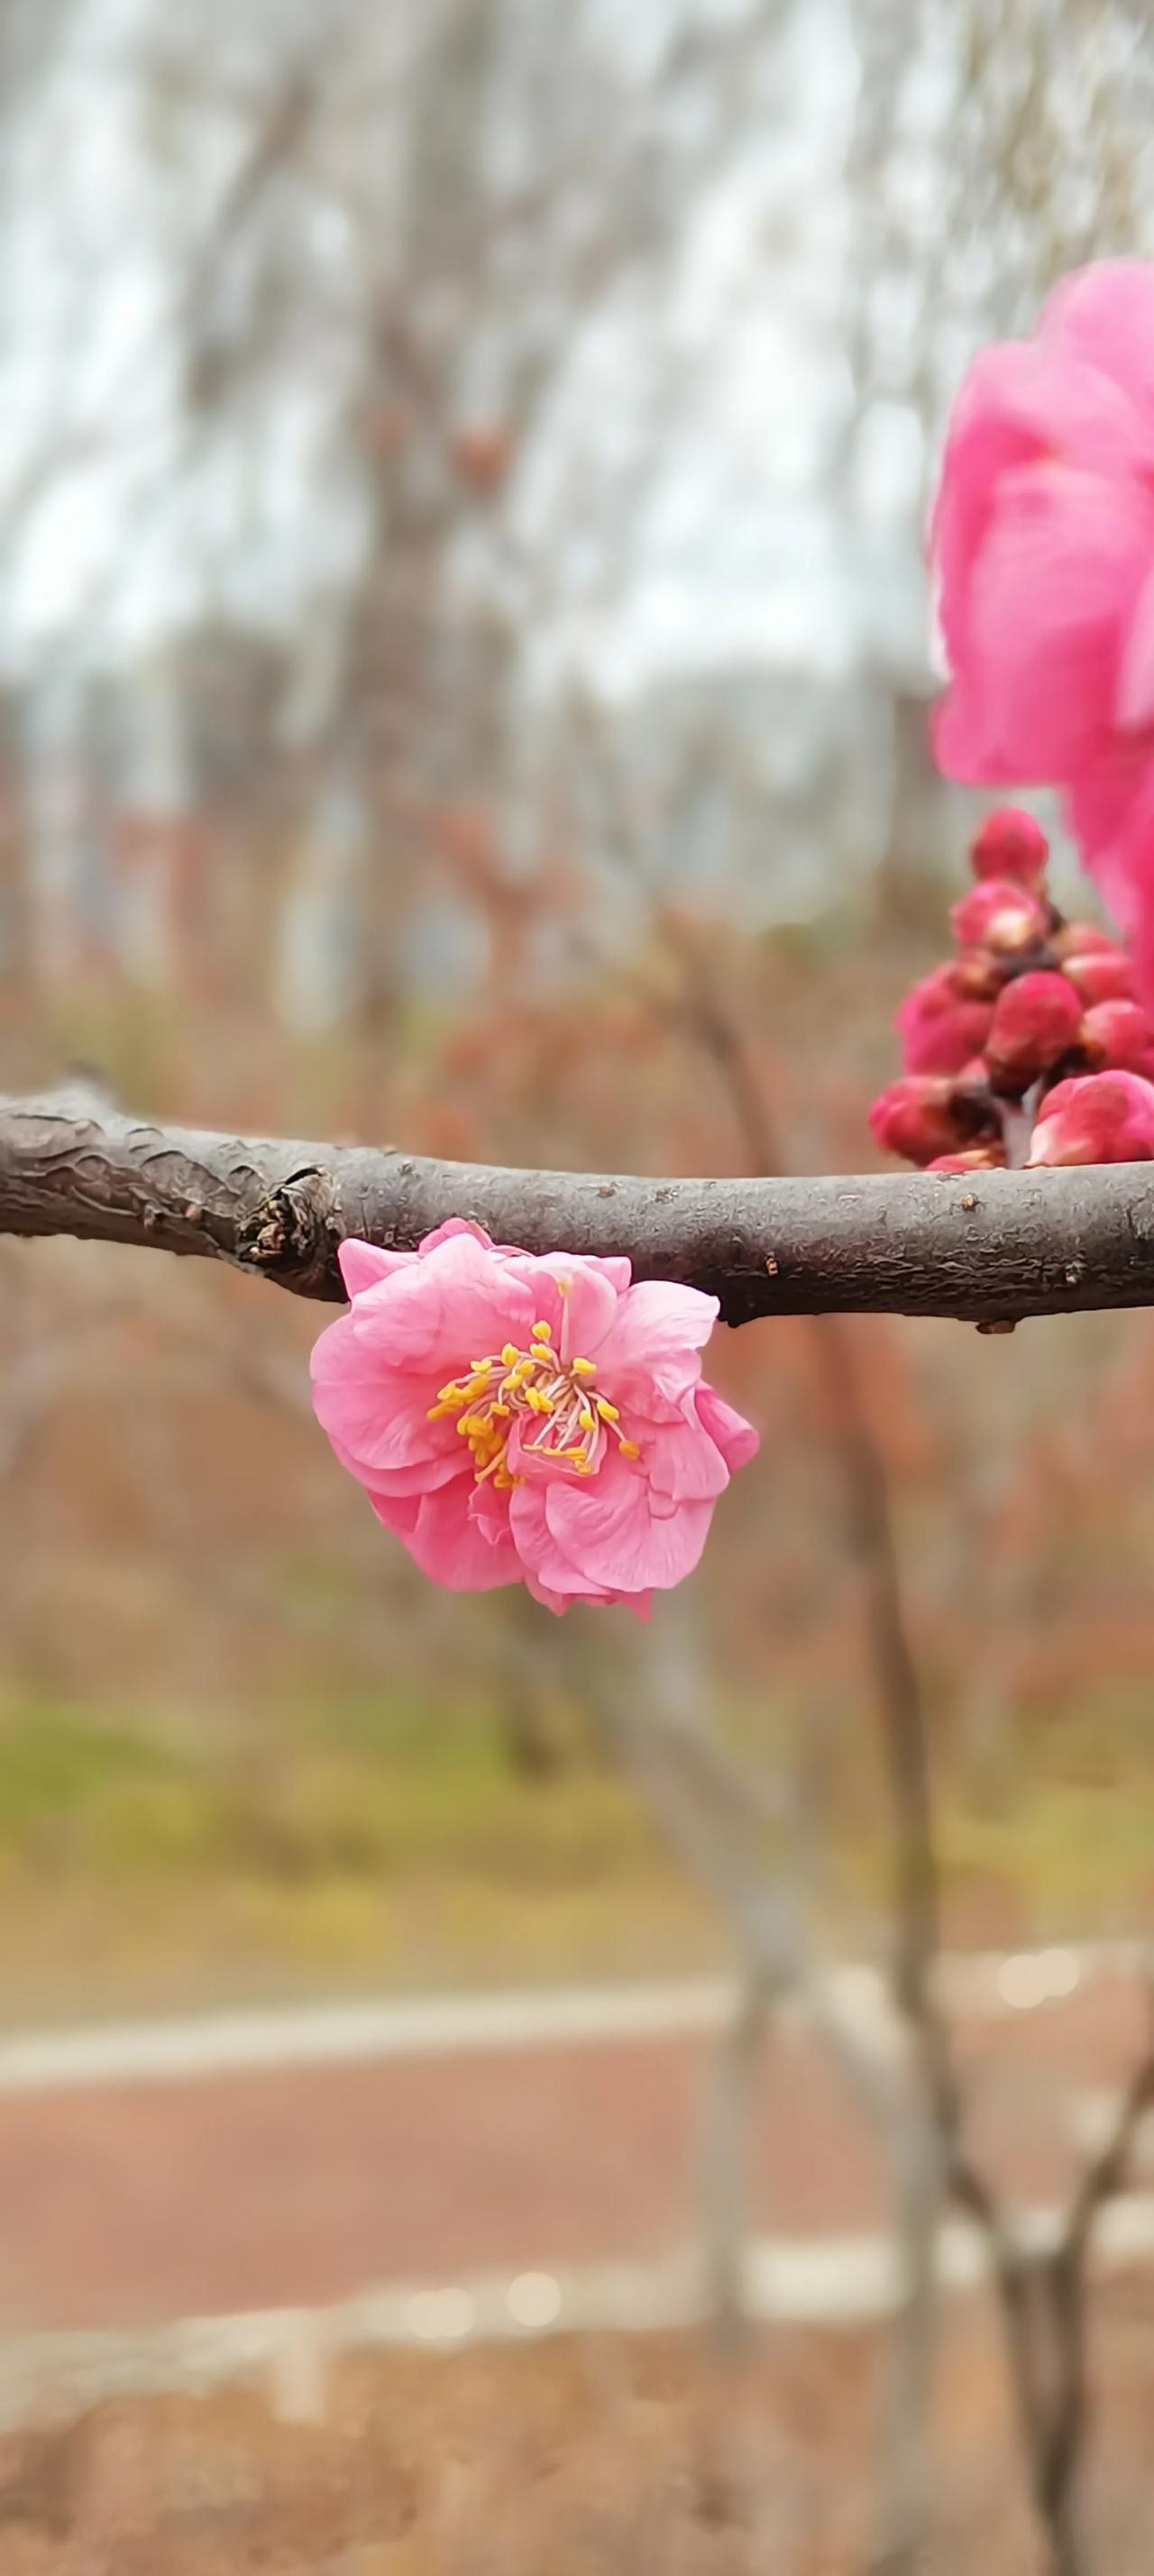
(921, 2138)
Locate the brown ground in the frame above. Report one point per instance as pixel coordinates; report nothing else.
(585, 2456)
(599, 2456)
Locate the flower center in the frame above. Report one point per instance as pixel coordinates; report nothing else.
(551, 1402)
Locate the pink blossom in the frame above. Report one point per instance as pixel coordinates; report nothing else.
(516, 1418)
(1043, 541)
(940, 1025)
(1011, 845)
(1036, 1021)
(1096, 1118)
(998, 915)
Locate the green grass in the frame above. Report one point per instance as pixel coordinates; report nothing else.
(371, 1842)
(382, 1842)
(361, 1792)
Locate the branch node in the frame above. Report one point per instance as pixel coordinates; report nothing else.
(292, 1234)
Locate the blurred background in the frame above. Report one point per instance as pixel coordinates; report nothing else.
(464, 664)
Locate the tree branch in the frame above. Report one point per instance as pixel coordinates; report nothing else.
(987, 1247)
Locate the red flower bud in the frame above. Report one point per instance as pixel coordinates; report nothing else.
(980, 976)
(1101, 975)
(998, 915)
(1084, 939)
(940, 1028)
(980, 1158)
(1012, 846)
(1096, 1118)
(923, 1116)
(1120, 1035)
(1036, 1022)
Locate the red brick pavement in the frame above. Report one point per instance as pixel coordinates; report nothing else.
(125, 2204)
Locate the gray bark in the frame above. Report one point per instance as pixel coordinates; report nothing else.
(988, 1247)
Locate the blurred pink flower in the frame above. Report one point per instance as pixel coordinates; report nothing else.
(1043, 545)
(1096, 1118)
(516, 1418)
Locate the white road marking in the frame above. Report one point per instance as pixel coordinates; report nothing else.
(985, 1985)
(831, 2281)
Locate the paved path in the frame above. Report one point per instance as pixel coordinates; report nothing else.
(139, 2184)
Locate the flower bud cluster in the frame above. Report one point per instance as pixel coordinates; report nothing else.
(1031, 1027)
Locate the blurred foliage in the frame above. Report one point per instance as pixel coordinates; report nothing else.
(391, 1842)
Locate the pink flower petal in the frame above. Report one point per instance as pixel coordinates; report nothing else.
(640, 1603)
(734, 1436)
(537, 1546)
(363, 1264)
(651, 1355)
(681, 1460)
(1053, 590)
(1111, 811)
(454, 1304)
(613, 1531)
(1134, 699)
(1021, 403)
(397, 1512)
(1103, 316)
(453, 1225)
(579, 1299)
(458, 1550)
(378, 1417)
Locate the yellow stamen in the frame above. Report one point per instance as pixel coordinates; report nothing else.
(554, 1392)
